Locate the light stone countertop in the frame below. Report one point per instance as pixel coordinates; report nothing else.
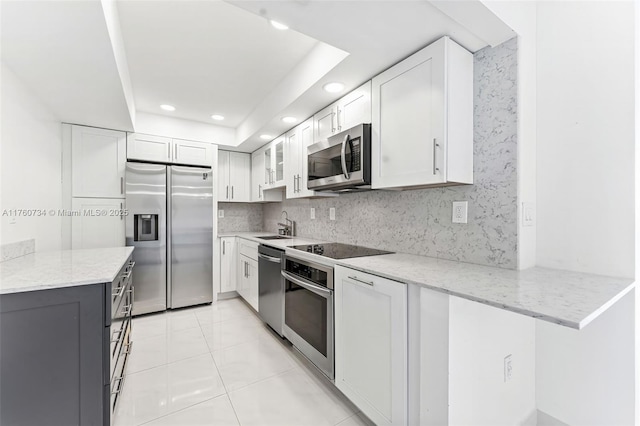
(567, 298)
(57, 269)
(279, 244)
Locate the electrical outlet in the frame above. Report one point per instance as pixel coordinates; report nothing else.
(508, 368)
(220, 213)
(332, 213)
(313, 213)
(528, 214)
(459, 214)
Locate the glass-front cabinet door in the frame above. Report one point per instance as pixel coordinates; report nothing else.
(268, 168)
(278, 161)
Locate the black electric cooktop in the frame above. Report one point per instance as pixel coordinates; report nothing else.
(340, 251)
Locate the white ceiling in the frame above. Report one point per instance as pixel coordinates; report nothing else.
(62, 51)
(215, 57)
(205, 57)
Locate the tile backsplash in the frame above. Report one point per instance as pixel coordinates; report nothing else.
(240, 217)
(419, 221)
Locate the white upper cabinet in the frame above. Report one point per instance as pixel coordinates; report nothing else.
(325, 123)
(354, 108)
(292, 162)
(234, 176)
(349, 111)
(371, 344)
(148, 148)
(422, 119)
(259, 179)
(167, 150)
(192, 153)
(274, 163)
(98, 158)
(298, 139)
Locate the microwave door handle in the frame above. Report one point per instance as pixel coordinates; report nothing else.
(343, 156)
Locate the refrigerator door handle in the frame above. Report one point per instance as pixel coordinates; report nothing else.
(169, 237)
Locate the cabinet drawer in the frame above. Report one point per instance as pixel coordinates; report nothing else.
(119, 329)
(118, 378)
(248, 248)
(117, 289)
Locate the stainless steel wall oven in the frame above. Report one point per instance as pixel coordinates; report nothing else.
(308, 311)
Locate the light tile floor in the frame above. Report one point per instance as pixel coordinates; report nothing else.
(220, 365)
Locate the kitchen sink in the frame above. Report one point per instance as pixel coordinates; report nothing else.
(274, 237)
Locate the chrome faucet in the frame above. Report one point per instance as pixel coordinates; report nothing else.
(289, 227)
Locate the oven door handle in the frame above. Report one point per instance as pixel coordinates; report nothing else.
(311, 287)
(343, 156)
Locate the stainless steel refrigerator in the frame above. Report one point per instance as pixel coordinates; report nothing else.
(170, 224)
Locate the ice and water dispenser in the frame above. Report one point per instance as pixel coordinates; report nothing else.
(145, 227)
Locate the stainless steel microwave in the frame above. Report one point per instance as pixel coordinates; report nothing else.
(342, 162)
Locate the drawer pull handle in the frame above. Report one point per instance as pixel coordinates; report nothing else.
(115, 339)
(119, 291)
(361, 281)
(120, 380)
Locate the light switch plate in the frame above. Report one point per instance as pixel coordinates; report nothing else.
(220, 213)
(459, 214)
(313, 213)
(332, 213)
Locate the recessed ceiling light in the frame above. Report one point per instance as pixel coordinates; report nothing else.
(289, 119)
(167, 107)
(333, 87)
(278, 25)
(217, 117)
(266, 137)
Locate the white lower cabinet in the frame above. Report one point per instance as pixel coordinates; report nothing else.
(99, 223)
(371, 344)
(248, 271)
(248, 280)
(228, 262)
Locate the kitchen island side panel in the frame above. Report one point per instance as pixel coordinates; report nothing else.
(52, 357)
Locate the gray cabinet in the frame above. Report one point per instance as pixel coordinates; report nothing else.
(56, 353)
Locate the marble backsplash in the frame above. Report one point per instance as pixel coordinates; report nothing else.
(240, 217)
(419, 221)
(17, 249)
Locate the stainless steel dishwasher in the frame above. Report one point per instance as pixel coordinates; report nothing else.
(271, 287)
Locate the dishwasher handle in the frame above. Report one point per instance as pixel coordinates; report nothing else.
(269, 258)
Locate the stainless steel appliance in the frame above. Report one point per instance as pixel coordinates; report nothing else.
(308, 311)
(271, 287)
(170, 223)
(342, 162)
(308, 299)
